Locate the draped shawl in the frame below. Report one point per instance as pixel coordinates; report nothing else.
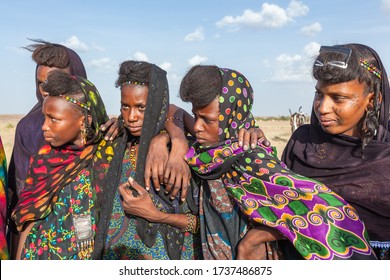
(318, 222)
(154, 118)
(53, 168)
(28, 135)
(336, 160)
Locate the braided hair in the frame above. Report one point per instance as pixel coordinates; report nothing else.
(59, 84)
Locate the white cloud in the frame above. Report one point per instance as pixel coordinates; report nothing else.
(311, 30)
(75, 44)
(104, 65)
(197, 59)
(294, 68)
(296, 9)
(197, 35)
(270, 16)
(141, 56)
(98, 48)
(312, 49)
(386, 6)
(166, 66)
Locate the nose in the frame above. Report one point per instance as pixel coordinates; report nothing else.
(198, 127)
(132, 116)
(324, 105)
(45, 127)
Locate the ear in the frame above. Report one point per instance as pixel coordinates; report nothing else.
(372, 100)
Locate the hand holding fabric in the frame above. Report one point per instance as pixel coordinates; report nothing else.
(138, 203)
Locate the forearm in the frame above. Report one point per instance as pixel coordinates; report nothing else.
(184, 222)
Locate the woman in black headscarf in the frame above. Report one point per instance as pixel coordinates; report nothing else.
(347, 144)
(160, 228)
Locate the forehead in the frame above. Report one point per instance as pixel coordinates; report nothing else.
(212, 108)
(43, 71)
(134, 93)
(353, 86)
(58, 105)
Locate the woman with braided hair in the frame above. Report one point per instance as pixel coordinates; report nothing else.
(59, 206)
(347, 143)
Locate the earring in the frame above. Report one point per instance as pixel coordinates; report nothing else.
(83, 136)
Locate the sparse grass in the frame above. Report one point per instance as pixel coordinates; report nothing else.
(277, 118)
(277, 138)
(10, 125)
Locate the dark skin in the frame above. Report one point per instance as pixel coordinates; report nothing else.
(252, 246)
(169, 168)
(133, 106)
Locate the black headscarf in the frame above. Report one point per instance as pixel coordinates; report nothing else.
(337, 161)
(154, 118)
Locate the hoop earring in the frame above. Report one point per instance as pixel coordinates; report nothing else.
(83, 136)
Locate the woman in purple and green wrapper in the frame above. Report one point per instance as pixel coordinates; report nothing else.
(4, 254)
(275, 202)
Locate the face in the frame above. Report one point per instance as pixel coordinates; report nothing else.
(207, 123)
(42, 73)
(133, 105)
(341, 107)
(63, 123)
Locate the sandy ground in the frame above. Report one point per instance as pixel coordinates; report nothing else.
(278, 132)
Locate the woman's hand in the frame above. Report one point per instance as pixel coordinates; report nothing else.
(156, 161)
(113, 129)
(254, 244)
(250, 137)
(137, 202)
(177, 174)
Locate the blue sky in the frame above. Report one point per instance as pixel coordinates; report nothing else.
(271, 42)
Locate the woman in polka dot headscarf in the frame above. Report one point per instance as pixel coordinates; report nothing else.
(249, 197)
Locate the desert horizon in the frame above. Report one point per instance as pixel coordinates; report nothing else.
(276, 129)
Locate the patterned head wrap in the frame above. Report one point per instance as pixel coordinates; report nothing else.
(235, 104)
(53, 168)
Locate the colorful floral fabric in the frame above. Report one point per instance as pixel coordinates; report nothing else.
(318, 222)
(4, 254)
(62, 184)
(54, 237)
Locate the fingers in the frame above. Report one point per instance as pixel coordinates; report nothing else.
(147, 176)
(155, 178)
(112, 126)
(241, 137)
(185, 187)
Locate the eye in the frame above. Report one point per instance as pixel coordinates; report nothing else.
(338, 98)
(124, 107)
(142, 107)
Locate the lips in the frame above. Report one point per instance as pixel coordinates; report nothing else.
(134, 128)
(326, 122)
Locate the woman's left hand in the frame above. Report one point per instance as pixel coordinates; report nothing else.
(113, 129)
(137, 202)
